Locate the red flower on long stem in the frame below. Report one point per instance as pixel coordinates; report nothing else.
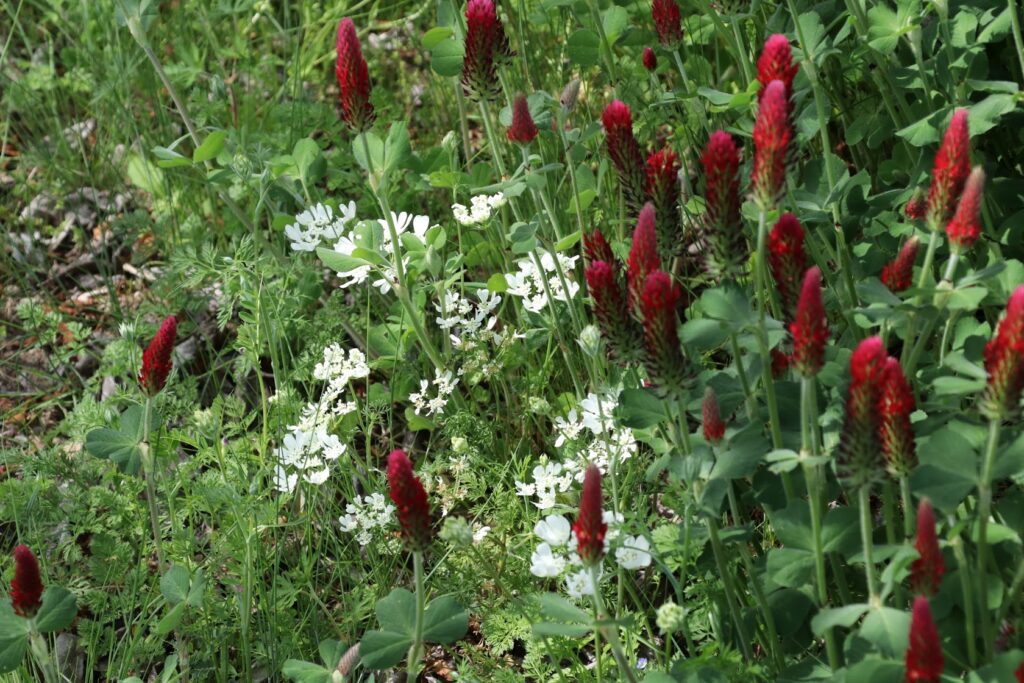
(486, 48)
(596, 248)
(611, 308)
(624, 151)
(663, 190)
(410, 499)
(952, 166)
(663, 358)
(810, 326)
(898, 274)
(643, 254)
(668, 21)
(714, 427)
(895, 404)
(650, 59)
(776, 63)
(156, 359)
(927, 570)
(27, 586)
(590, 526)
(523, 130)
(859, 458)
(924, 662)
(965, 227)
(726, 252)
(1004, 361)
(787, 259)
(353, 79)
(772, 136)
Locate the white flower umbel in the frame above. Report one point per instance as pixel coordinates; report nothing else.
(348, 242)
(317, 224)
(481, 208)
(528, 282)
(549, 480)
(544, 563)
(581, 583)
(634, 553)
(444, 384)
(368, 517)
(568, 428)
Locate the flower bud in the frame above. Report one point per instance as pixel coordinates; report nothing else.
(924, 662)
(156, 359)
(927, 570)
(809, 327)
(643, 254)
(965, 227)
(714, 428)
(670, 618)
(650, 59)
(952, 166)
(523, 130)
(898, 274)
(353, 79)
(27, 586)
(1004, 361)
(410, 499)
(590, 526)
(787, 259)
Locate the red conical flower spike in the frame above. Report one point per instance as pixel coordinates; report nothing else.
(965, 227)
(917, 207)
(590, 526)
(663, 358)
(714, 428)
(780, 363)
(596, 248)
(952, 166)
(1019, 673)
(486, 49)
(624, 151)
(27, 586)
(523, 130)
(643, 255)
(924, 661)
(772, 135)
(353, 79)
(650, 59)
(1004, 361)
(787, 259)
(156, 359)
(668, 21)
(898, 274)
(809, 327)
(611, 308)
(726, 252)
(776, 63)
(410, 499)
(663, 189)
(927, 570)
(895, 404)
(859, 458)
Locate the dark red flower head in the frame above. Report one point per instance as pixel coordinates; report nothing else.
(787, 259)
(809, 327)
(772, 136)
(486, 49)
(663, 357)
(1004, 361)
(714, 427)
(624, 151)
(156, 359)
(611, 308)
(898, 274)
(596, 248)
(1019, 673)
(668, 21)
(27, 586)
(927, 570)
(780, 363)
(590, 526)
(965, 227)
(643, 255)
(353, 79)
(952, 166)
(663, 189)
(726, 245)
(523, 130)
(776, 63)
(859, 458)
(924, 661)
(410, 499)
(650, 59)
(895, 404)
(917, 207)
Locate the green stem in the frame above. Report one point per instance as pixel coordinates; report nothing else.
(416, 649)
(742, 373)
(984, 511)
(610, 632)
(730, 595)
(968, 599)
(908, 508)
(149, 475)
(698, 104)
(1011, 6)
(41, 656)
(864, 496)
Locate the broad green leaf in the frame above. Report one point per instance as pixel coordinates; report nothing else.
(615, 21)
(640, 409)
(444, 621)
(210, 148)
(446, 57)
(554, 606)
(790, 608)
(383, 649)
(396, 147)
(497, 283)
(397, 612)
(985, 115)
(434, 36)
(375, 161)
(120, 446)
(887, 628)
(793, 526)
(839, 531)
(196, 590)
(58, 610)
(568, 241)
(305, 672)
(171, 620)
(306, 155)
(874, 670)
(584, 47)
(331, 652)
(168, 158)
(845, 616)
(14, 632)
(174, 584)
(338, 262)
(946, 489)
(790, 567)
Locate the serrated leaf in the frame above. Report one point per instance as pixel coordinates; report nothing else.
(58, 610)
(444, 621)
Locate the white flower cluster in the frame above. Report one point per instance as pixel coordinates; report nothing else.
(529, 282)
(467, 319)
(556, 554)
(481, 208)
(318, 224)
(308, 447)
(444, 383)
(347, 243)
(368, 516)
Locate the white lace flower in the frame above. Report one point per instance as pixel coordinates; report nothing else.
(481, 208)
(317, 224)
(528, 283)
(553, 529)
(634, 553)
(568, 428)
(581, 583)
(544, 563)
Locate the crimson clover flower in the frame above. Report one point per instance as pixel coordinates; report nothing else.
(965, 227)
(668, 21)
(949, 173)
(663, 190)
(590, 526)
(643, 254)
(859, 458)
(776, 64)
(726, 251)
(1004, 361)
(523, 130)
(663, 358)
(624, 151)
(486, 48)
(714, 427)
(898, 274)
(772, 136)
(611, 308)
(353, 79)
(809, 327)
(895, 404)
(410, 499)
(927, 570)
(27, 586)
(156, 359)
(787, 259)
(924, 662)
